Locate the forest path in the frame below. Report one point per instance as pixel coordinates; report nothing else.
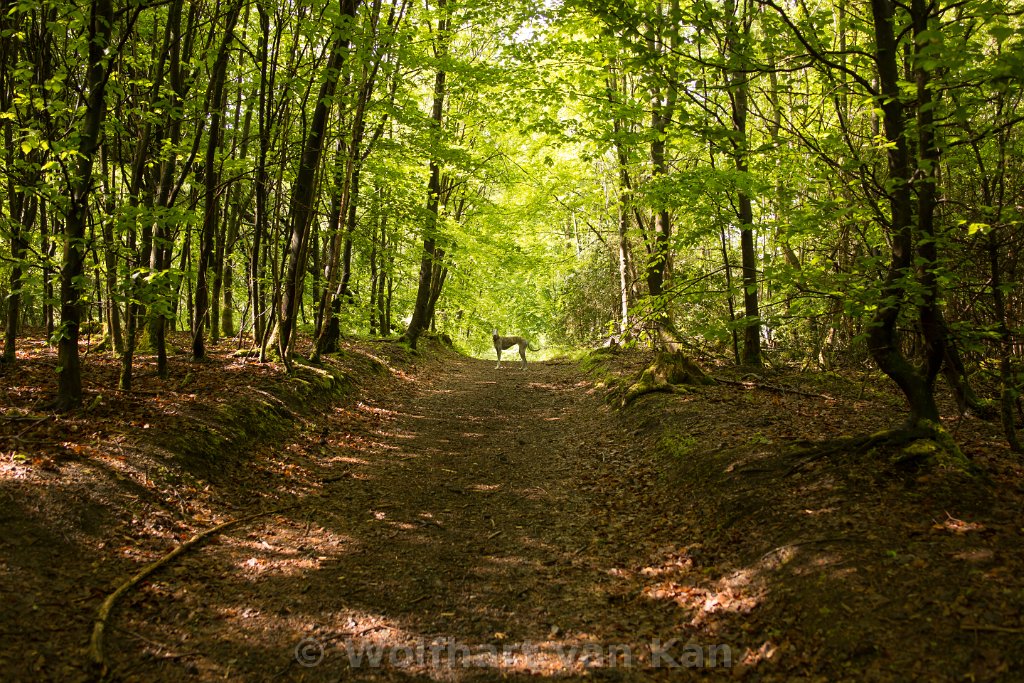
(473, 526)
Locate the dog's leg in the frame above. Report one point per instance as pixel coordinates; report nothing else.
(522, 353)
(498, 349)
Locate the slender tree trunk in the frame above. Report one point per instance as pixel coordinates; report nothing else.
(624, 201)
(329, 304)
(1006, 375)
(728, 296)
(22, 208)
(69, 373)
(623, 262)
(327, 342)
(113, 310)
(48, 248)
(211, 182)
(19, 225)
(737, 38)
(227, 269)
(16, 212)
(217, 270)
(376, 254)
(303, 197)
(141, 193)
(437, 278)
(421, 313)
(658, 264)
(933, 323)
(388, 326)
(160, 250)
(882, 334)
(383, 291)
(663, 96)
(262, 177)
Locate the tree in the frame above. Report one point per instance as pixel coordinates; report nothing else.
(739, 19)
(303, 195)
(421, 308)
(917, 384)
(211, 181)
(80, 186)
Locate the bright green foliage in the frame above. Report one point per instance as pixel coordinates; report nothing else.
(550, 189)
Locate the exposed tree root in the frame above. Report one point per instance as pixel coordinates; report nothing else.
(96, 658)
(917, 444)
(667, 372)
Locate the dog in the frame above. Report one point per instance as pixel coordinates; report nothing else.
(502, 343)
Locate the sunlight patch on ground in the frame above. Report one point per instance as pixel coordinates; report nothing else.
(259, 557)
(366, 408)
(14, 469)
(349, 460)
(821, 511)
(511, 561)
(958, 526)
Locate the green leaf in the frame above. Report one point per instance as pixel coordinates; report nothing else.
(1000, 32)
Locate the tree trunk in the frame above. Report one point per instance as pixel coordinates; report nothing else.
(69, 372)
(1008, 391)
(303, 197)
(373, 280)
(160, 251)
(437, 278)
(882, 339)
(254, 270)
(48, 247)
(663, 95)
(329, 305)
(624, 201)
(383, 288)
(19, 225)
(211, 181)
(738, 80)
(729, 296)
(420, 313)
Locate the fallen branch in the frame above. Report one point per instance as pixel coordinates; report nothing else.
(771, 387)
(813, 541)
(990, 629)
(97, 660)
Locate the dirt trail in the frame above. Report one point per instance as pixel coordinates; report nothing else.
(454, 522)
(455, 539)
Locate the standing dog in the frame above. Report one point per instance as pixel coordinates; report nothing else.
(502, 343)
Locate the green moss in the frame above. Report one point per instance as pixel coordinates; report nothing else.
(935, 449)
(678, 446)
(598, 364)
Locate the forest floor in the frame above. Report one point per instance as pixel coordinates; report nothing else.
(434, 518)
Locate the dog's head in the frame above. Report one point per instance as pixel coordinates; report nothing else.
(494, 334)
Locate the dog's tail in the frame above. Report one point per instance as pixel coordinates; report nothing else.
(530, 346)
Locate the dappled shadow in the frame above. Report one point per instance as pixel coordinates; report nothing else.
(461, 546)
(470, 524)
